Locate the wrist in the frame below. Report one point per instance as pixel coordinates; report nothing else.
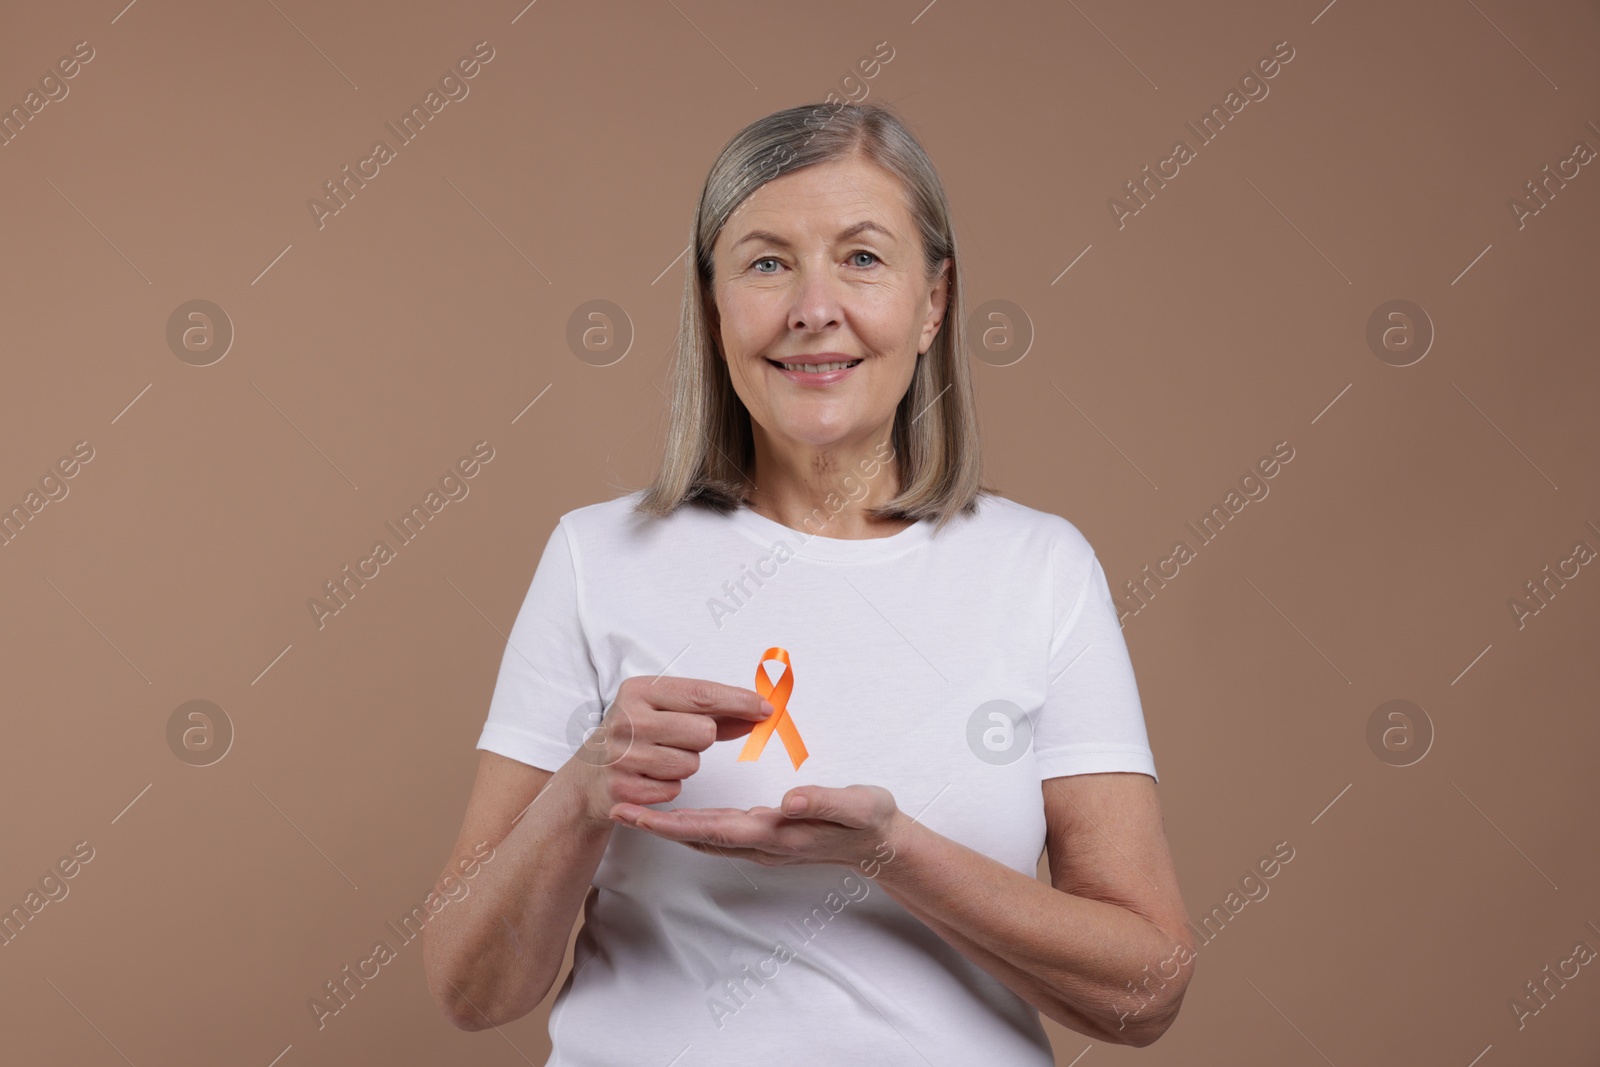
(897, 840)
(586, 795)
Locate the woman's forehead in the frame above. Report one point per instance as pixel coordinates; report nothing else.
(835, 208)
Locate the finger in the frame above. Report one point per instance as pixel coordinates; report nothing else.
(694, 812)
(735, 829)
(631, 812)
(628, 813)
(728, 729)
(687, 732)
(850, 806)
(651, 819)
(704, 697)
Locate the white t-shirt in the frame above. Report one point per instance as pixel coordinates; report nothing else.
(958, 670)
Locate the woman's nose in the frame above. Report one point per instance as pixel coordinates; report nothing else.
(817, 300)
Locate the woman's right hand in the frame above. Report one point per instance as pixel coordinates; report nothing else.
(651, 737)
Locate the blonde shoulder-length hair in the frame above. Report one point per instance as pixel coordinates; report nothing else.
(935, 440)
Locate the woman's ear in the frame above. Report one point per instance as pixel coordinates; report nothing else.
(938, 304)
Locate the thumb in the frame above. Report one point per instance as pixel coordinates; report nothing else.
(798, 802)
(847, 806)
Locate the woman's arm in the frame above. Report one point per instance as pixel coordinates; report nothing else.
(492, 956)
(1105, 950)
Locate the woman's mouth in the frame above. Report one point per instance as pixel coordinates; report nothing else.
(815, 368)
(816, 373)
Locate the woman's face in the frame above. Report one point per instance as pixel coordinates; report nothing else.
(824, 265)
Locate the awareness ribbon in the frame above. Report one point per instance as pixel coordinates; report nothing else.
(780, 720)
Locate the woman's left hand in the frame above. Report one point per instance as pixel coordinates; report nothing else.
(848, 825)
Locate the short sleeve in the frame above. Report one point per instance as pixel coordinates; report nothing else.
(547, 695)
(1092, 720)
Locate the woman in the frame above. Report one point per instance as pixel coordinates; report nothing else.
(954, 694)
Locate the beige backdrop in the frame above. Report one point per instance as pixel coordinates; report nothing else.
(1343, 267)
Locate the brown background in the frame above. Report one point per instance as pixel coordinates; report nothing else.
(1229, 314)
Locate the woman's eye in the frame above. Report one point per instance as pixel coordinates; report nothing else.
(756, 264)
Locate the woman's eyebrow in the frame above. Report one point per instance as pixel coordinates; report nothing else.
(844, 235)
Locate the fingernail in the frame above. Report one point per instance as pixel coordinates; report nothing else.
(796, 806)
(767, 708)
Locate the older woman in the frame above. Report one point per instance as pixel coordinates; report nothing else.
(941, 689)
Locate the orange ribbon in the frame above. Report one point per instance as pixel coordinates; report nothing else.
(780, 720)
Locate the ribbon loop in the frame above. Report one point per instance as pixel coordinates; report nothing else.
(779, 720)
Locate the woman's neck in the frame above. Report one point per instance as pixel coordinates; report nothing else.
(830, 506)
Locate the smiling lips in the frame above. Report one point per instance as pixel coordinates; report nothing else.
(822, 369)
(819, 367)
